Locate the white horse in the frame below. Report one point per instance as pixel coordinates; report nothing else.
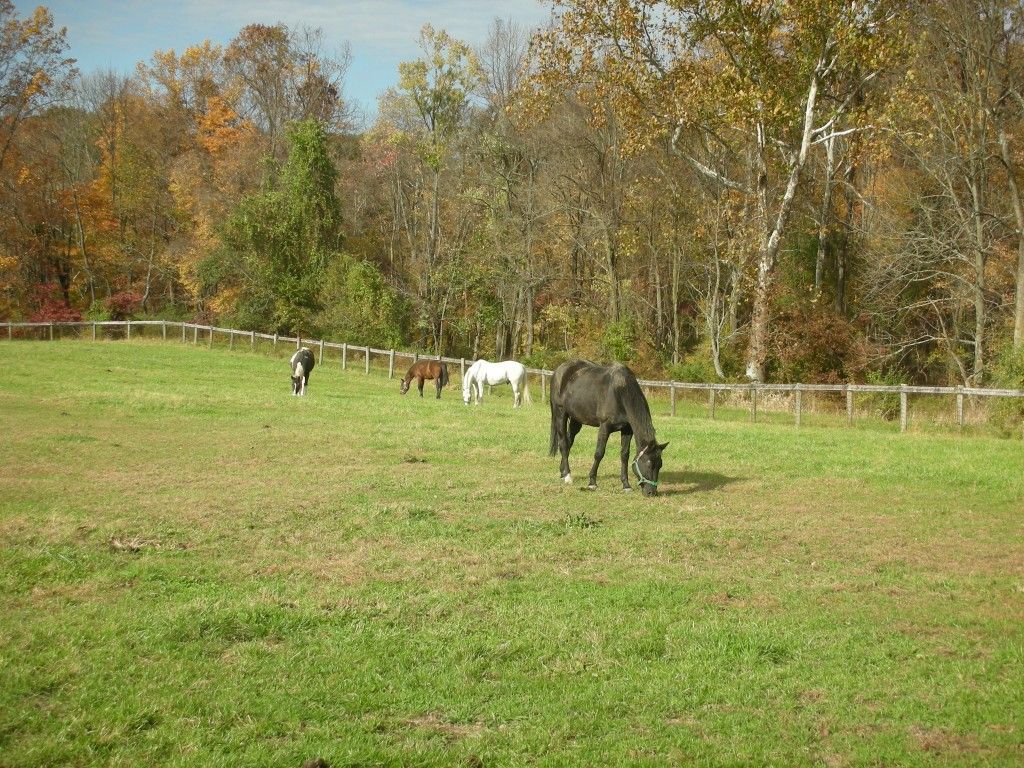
(483, 372)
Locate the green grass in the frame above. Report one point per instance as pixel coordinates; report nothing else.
(198, 569)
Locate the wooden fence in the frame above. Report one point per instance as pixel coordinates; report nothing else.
(196, 333)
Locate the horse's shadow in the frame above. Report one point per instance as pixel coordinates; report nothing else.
(698, 482)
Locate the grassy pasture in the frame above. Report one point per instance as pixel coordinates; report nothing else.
(198, 569)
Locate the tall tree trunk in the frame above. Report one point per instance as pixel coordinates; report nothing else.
(674, 289)
(826, 214)
(843, 251)
(769, 250)
(1018, 213)
(980, 253)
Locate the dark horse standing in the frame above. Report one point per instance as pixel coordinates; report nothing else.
(607, 397)
(423, 370)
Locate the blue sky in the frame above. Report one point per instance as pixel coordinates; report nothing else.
(115, 34)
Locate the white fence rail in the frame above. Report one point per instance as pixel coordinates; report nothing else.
(752, 391)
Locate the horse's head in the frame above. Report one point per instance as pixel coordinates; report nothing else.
(404, 386)
(298, 373)
(647, 465)
(466, 396)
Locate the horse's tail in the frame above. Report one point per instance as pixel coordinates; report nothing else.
(553, 446)
(444, 374)
(526, 390)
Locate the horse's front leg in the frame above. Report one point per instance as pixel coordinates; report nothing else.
(419, 385)
(627, 436)
(437, 383)
(602, 441)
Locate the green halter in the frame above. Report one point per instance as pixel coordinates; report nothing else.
(636, 468)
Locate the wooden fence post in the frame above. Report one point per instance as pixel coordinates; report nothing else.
(711, 403)
(10, 332)
(321, 351)
(94, 330)
(415, 357)
(753, 403)
(849, 406)
(391, 364)
(367, 360)
(903, 409)
(252, 341)
(799, 405)
(163, 328)
(195, 334)
(462, 369)
(129, 334)
(344, 355)
(183, 332)
(959, 407)
(543, 386)
(275, 341)
(231, 343)
(672, 396)
(298, 341)
(51, 331)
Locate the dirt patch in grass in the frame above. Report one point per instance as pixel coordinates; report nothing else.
(452, 731)
(942, 741)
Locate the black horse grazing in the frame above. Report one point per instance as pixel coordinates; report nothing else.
(607, 397)
(302, 363)
(426, 369)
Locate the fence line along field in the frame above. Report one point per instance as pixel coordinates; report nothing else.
(972, 404)
(199, 569)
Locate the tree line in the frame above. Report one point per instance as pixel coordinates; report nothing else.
(801, 190)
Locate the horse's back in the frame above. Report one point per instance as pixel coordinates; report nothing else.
(592, 393)
(304, 356)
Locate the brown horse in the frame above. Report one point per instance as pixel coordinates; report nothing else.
(426, 369)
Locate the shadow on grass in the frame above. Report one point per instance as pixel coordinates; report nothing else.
(685, 483)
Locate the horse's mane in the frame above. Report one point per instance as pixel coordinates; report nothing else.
(635, 404)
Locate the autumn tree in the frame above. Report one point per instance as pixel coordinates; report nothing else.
(726, 79)
(34, 72)
(426, 115)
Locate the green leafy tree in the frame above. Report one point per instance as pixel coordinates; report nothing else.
(282, 238)
(360, 305)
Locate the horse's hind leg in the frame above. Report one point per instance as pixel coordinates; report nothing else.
(569, 430)
(559, 422)
(419, 384)
(627, 436)
(437, 382)
(602, 441)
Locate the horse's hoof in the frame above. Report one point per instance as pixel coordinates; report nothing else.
(567, 479)
(627, 490)
(592, 487)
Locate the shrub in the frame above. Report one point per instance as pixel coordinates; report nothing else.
(884, 404)
(51, 306)
(814, 345)
(1007, 413)
(619, 341)
(123, 305)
